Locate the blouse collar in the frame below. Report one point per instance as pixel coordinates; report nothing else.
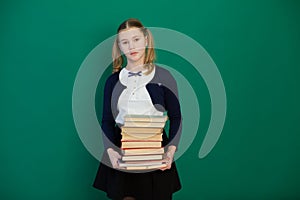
(142, 80)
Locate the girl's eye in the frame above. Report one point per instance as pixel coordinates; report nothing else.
(124, 42)
(137, 39)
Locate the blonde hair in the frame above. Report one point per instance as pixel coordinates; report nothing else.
(149, 54)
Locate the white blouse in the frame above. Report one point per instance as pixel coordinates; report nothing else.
(135, 99)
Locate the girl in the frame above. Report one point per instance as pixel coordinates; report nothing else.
(141, 87)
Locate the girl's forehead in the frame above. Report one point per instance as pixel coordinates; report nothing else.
(130, 32)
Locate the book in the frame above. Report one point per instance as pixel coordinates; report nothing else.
(142, 157)
(141, 137)
(144, 124)
(146, 130)
(140, 163)
(140, 144)
(145, 167)
(143, 151)
(146, 118)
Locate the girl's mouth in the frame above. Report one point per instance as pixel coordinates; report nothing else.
(133, 53)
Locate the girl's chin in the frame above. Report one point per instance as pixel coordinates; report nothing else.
(134, 58)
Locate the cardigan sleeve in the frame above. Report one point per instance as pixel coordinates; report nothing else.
(172, 106)
(108, 121)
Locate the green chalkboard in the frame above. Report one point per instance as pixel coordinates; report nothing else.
(254, 44)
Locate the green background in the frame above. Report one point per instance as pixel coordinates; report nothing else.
(255, 45)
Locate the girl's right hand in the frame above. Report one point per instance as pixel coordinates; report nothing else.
(114, 157)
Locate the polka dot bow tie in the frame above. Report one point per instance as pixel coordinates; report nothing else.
(134, 74)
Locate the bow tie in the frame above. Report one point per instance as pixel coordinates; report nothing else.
(134, 74)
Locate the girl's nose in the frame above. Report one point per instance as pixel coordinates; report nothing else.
(131, 45)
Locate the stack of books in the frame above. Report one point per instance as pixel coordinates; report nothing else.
(141, 142)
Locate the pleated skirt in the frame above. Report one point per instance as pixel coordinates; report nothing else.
(151, 185)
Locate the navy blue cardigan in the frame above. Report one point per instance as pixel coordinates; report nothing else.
(164, 96)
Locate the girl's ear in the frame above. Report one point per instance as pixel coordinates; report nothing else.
(119, 46)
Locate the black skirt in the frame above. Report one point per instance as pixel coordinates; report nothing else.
(152, 185)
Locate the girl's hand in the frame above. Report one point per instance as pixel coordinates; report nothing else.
(169, 156)
(114, 157)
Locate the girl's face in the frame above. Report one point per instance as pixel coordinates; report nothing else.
(132, 43)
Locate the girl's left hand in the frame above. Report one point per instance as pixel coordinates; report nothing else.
(169, 157)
